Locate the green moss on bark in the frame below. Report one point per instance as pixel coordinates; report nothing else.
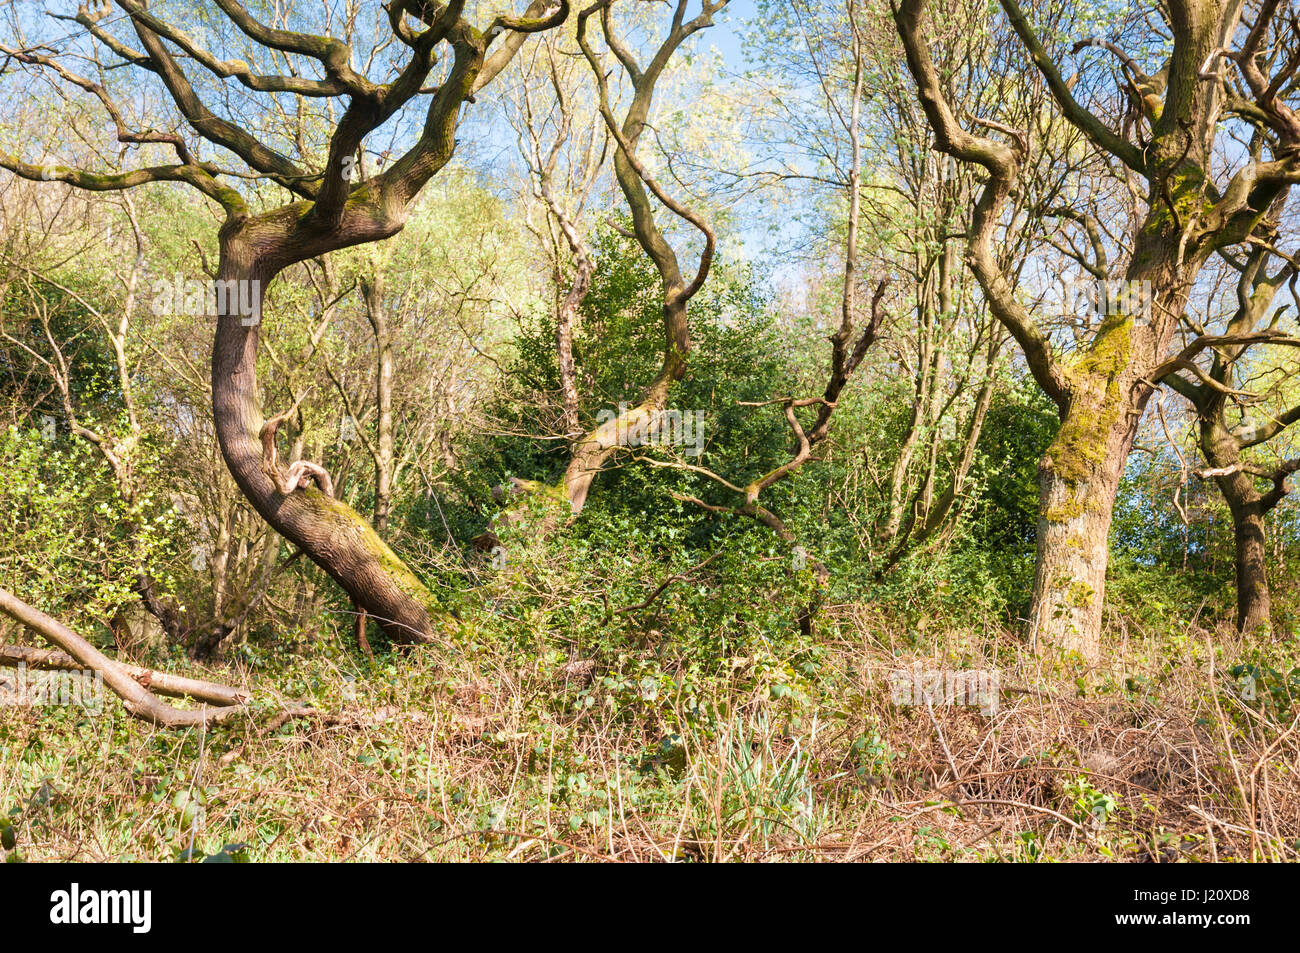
(1079, 449)
(397, 571)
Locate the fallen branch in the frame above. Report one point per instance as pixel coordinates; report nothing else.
(135, 697)
(160, 683)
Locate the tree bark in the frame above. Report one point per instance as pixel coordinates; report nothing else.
(1248, 506)
(1075, 510)
(1254, 607)
(377, 312)
(331, 533)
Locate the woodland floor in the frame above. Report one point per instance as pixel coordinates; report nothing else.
(475, 752)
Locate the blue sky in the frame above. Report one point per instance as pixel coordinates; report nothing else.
(728, 35)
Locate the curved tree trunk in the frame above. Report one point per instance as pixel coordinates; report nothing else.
(329, 212)
(331, 533)
(594, 450)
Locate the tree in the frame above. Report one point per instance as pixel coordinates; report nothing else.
(842, 114)
(259, 238)
(594, 449)
(1213, 392)
(565, 145)
(1193, 196)
(848, 345)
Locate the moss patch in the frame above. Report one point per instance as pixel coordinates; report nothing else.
(1080, 445)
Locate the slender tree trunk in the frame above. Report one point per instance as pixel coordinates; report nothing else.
(920, 401)
(592, 452)
(566, 321)
(377, 311)
(330, 532)
(569, 306)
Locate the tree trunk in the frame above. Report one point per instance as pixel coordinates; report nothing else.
(594, 450)
(1107, 393)
(331, 533)
(566, 321)
(1254, 608)
(377, 311)
(1078, 479)
(1248, 506)
(1070, 572)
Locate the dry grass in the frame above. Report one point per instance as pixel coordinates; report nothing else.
(482, 756)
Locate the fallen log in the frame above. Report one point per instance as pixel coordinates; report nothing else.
(160, 683)
(138, 700)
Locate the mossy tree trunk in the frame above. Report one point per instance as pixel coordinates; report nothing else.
(1195, 205)
(332, 534)
(1078, 480)
(1103, 398)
